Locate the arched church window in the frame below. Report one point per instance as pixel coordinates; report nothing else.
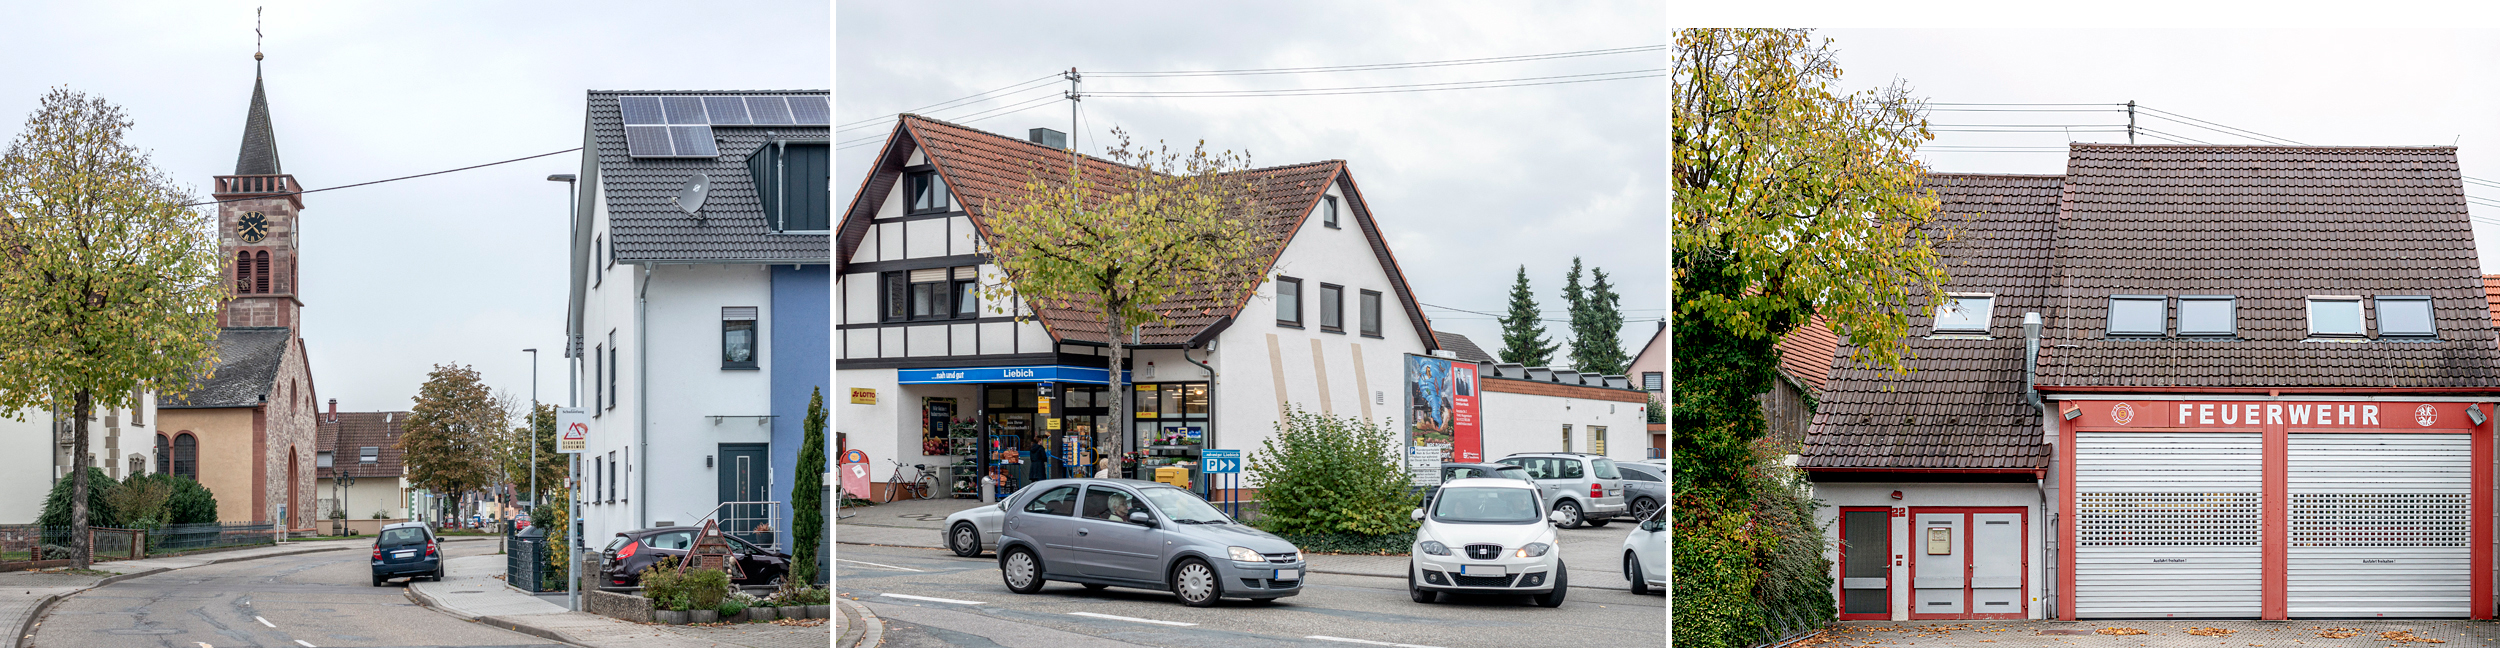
(260, 271)
(242, 272)
(187, 456)
(164, 455)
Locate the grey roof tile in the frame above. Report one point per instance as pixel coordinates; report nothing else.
(645, 226)
(247, 364)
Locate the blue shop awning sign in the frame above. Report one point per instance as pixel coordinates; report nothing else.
(1030, 373)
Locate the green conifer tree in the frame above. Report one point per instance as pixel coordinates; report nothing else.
(1597, 328)
(1523, 335)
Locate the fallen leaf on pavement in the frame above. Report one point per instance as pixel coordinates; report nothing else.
(2119, 631)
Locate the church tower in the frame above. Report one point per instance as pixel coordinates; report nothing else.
(257, 212)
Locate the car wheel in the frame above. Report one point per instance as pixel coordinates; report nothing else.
(965, 540)
(1641, 508)
(1562, 583)
(377, 581)
(1632, 571)
(1095, 587)
(1571, 513)
(1022, 570)
(1412, 589)
(1194, 581)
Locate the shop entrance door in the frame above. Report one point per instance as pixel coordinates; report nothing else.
(1967, 563)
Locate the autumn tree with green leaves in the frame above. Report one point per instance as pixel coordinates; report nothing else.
(450, 438)
(108, 283)
(513, 452)
(1153, 236)
(1523, 332)
(1793, 198)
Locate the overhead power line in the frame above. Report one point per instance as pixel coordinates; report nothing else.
(1405, 87)
(1387, 66)
(263, 196)
(887, 116)
(1029, 105)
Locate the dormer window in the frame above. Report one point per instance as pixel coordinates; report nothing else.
(1328, 211)
(2138, 314)
(2208, 315)
(2335, 316)
(1965, 313)
(926, 193)
(2406, 316)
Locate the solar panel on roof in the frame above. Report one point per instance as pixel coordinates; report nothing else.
(640, 110)
(684, 110)
(769, 110)
(693, 141)
(810, 111)
(726, 111)
(647, 141)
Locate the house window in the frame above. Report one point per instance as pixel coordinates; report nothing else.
(1332, 308)
(612, 477)
(967, 291)
(164, 455)
(932, 293)
(1597, 439)
(2335, 316)
(927, 193)
(369, 454)
(1566, 437)
(1369, 302)
(1965, 313)
(737, 337)
(1289, 302)
(598, 368)
(598, 271)
(2138, 314)
(2208, 315)
(186, 456)
(1328, 211)
(1653, 381)
(612, 371)
(2408, 316)
(323, 459)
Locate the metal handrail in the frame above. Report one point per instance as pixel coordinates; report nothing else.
(772, 514)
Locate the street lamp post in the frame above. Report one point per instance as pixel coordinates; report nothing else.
(532, 423)
(572, 398)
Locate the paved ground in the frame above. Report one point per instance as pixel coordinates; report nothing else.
(474, 591)
(316, 599)
(2160, 634)
(1333, 610)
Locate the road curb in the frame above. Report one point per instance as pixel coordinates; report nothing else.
(872, 629)
(508, 624)
(26, 628)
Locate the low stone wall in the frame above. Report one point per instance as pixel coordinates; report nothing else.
(622, 606)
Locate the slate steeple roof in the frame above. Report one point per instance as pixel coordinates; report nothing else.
(260, 144)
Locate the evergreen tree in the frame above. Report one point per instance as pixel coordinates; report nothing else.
(1575, 300)
(807, 499)
(1523, 335)
(1597, 328)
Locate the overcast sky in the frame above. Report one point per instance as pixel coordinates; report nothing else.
(1467, 185)
(466, 267)
(2319, 87)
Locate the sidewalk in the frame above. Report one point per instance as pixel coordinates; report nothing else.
(474, 590)
(25, 595)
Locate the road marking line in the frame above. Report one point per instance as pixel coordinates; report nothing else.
(266, 622)
(859, 562)
(930, 598)
(1122, 618)
(306, 644)
(203, 644)
(1366, 641)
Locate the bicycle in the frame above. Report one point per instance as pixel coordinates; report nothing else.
(922, 485)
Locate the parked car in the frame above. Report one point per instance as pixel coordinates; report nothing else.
(520, 521)
(974, 530)
(1585, 488)
(1644, 487)
(1130, 533)
(630, 552)
(1457, 471)
(1487, 536)
(1645, 554)
(406, 549)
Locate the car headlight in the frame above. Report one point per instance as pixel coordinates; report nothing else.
(1533, 550)
(1435, 547)
(1297, 555)
(1244, 554)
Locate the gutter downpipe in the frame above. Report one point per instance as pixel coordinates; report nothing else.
(1211, 429)
(2031, 394)
(642, 398)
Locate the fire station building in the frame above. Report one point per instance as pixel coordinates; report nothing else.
(2179, 381)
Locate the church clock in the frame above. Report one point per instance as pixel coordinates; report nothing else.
(252, 226)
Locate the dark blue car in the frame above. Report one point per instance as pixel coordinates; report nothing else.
(407, 549)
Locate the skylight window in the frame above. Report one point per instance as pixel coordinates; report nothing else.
(2207, 315)
(2335, 316)
(2138, 314)
(2408, 316)
(1965, 313)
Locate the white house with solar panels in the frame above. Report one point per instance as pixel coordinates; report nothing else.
(699, 313)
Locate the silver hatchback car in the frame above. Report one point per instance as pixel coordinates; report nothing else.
(1585, 488)
(1142, 534)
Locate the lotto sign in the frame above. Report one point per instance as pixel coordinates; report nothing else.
(572, 430)
(855, 473)
(1221, 461)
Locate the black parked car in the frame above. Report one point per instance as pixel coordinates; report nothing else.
(407, 549)
(623, 560)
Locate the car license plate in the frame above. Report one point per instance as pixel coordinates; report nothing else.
(1483, 570)
(1288, 574)
(403, 554)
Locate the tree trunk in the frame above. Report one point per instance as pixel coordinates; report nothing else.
(1119, 415)
(78, 549)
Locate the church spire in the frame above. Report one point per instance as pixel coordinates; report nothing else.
(260, 144)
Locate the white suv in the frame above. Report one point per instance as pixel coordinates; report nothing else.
(1487, 536)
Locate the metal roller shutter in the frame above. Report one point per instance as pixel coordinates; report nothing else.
(2166, 525)
(2379, 525)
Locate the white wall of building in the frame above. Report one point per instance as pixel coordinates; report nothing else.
(608, 325)
(1914, 495)
(367, 496)
(114, 438)
(874, 429)
(688, 386)
(1515, 423)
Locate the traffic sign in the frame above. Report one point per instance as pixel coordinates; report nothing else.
(1221, 461)
(572, 430)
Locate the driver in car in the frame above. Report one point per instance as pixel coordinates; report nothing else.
(1116, 507)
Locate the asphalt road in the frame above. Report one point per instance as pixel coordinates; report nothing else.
(318, 599)
(1333, 610)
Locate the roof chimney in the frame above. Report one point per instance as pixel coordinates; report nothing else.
(1048, 137)
(334, 410)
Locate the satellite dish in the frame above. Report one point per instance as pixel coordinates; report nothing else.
(690, 198)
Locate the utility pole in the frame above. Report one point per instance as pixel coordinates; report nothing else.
(2130, 121)
(1076, 83)
(532, 422)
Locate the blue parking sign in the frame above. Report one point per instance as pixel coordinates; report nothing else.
(1221, 461)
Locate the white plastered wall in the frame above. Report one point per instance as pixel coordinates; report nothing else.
(2026, 495)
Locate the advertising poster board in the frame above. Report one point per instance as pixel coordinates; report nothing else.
(1441, 407)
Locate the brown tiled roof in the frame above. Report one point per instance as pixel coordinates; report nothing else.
(1465, 348)
(1806, 353)
(980, 167)
(2271, 226)
(2491, 297)
(1961, 406)
(349, 433)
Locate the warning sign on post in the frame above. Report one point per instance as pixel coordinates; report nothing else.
(572, 430)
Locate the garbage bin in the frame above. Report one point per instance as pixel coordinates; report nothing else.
(524, 553)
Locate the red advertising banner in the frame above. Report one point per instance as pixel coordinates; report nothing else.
(1441, 407)
(1468, 442)
(2372, 416)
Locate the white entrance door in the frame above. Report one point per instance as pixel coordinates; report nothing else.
(2379, 525)
(2167, 525)
(1996, 567)
(1936, 586)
